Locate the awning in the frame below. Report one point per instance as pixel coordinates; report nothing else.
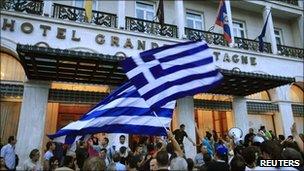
(43, 63)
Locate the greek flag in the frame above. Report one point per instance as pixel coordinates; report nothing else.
(123, 111)
(170, 72)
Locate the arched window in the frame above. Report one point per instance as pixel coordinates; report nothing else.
(259, 96)
(11, 69)
(296, 94)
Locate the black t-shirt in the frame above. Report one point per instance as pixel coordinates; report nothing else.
(179, 135)
(217, 165)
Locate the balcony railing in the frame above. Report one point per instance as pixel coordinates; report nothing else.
(209, 37)
(252, 45)
(291, 51)
(25, 6)
(76, 14)
(150, 27)
(292, 2)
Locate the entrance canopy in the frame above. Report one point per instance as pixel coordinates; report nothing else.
(42, 63)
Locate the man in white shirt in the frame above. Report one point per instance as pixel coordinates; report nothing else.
(33, 164)
(50, 147)
(8, 153)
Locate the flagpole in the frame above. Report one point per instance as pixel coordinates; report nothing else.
(160, 121)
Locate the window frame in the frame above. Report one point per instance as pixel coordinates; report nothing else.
(198, 14)
(280, 35)
(244, 29)
(145, 13)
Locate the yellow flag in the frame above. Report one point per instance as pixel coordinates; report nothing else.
(88, 10)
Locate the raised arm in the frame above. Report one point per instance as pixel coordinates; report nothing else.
(296, 137)
(176, 147)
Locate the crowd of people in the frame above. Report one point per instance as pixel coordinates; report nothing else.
(158, 153)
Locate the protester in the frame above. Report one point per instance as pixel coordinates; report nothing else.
(93, 164)
(81, 154)
(220, 160)
(162, 160)
(116, 165)
(33, 164)
(248, 140)
(68, 164)
(2, 164)
(180, 134)
(153, 165)
(199, 158)
(50, 147)
(8, 153)
(54, 163)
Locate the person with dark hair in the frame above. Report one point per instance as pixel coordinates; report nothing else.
(32, 164)
(153, 165)
(190, 164)
(265, 133)
(8, 153)
(179, 135)
(132, 163)
(50, 147)
(199, 158)
(93, 146)
(248, 140)
(2, 164)
(292, 154)
(116, 164)
(221, 159)
(162, 159)
(81, 154)
(207, 161)
(250, 155)
(237, 163)
(68, 164)
(54, 163)
(93, 164)
(281, 138)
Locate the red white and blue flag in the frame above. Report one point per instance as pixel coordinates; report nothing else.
(222, 20)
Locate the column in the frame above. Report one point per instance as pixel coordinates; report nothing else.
(180, 17)
(185, 112)
(240, 111)
(270, 29)
(32, 118)
(280, 96)
(47, 8)
(121, 14)
(229, 14)
(300, 26)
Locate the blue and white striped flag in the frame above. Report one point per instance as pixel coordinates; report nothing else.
(171, 72)
(123, 111)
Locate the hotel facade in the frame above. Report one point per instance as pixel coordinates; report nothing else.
(55, 65)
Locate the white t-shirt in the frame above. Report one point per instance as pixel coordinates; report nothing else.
(48, 155)
(28, 165)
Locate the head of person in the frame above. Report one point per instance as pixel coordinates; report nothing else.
(222, 153)
(178, 163)
(190, 163)
(12, 140)
(94, 163)
(54, 163)
(251, 131)
(158, 145)
(2, 162)
(116, 157)
(237, 164)
(281, 137)
(203, 149)
(122, 139)
(169, 148)
(139, 149)
(250, 155)
(122, 150)
(182, 127)
(34, 155)
(105, 141)
(162, 159)
(262, 128)
(153, 165)
(207, 158)
(271, 150)
(68, 161)
(50, 146)
(292, 154)
(132, 163)
(208, 135)
(103, 153)
(215, 136)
